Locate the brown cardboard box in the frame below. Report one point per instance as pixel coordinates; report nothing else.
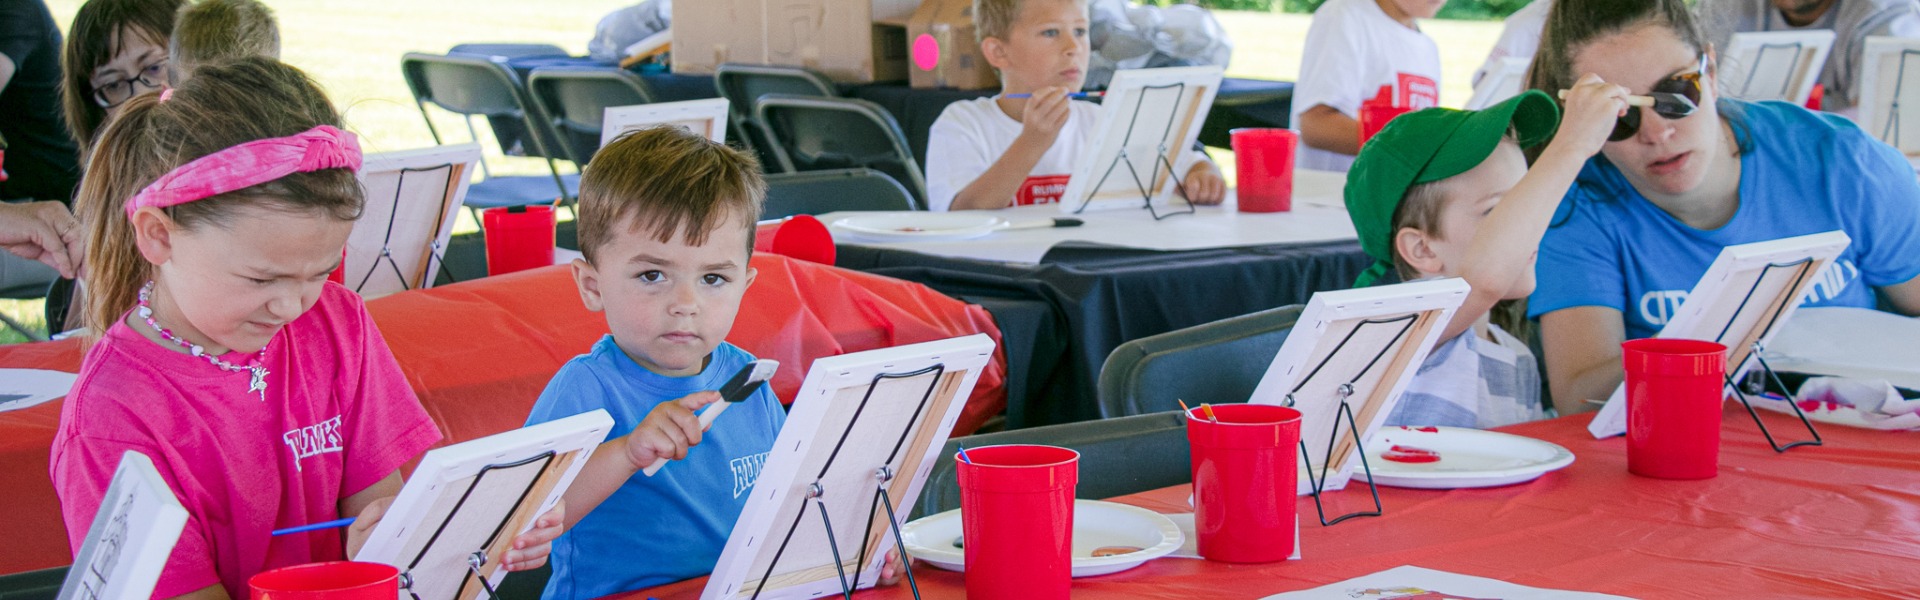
(839, 38)
(944, 51)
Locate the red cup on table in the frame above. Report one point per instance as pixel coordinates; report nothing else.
(1016, 518)
(1244, 481)
(1674, 389)
(1263, 168)
(338, 580)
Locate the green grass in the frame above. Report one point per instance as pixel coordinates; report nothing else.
(353, 48)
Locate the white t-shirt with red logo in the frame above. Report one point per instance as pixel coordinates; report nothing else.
(1354, 48)
(971, 134)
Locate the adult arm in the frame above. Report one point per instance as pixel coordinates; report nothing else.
(1582, 347)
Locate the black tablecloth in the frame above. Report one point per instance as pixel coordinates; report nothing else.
(1102, 297)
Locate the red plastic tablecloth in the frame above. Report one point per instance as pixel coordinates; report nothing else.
(1839, 521)
(479, 353)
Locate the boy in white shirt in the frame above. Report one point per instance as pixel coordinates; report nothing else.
(1353, 49)
(1002, 151)
(1519, 37)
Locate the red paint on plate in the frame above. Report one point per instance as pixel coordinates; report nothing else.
(1410, 454)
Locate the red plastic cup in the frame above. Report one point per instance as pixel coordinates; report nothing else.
(1016, 518)
(805, 238)
(339, 580)
(1263, 168)
(1674, 389)
(1244, 479)
(518, 238)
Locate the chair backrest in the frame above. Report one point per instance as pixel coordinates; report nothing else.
(509, 50)
(1117, 457)
(819, 192)
(1218, 363)
(816, 134)
(575, 100)
(743, 84)
(468, 85)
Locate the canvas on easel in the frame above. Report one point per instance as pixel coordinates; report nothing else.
(1349, 357)
(1149, 121)
(1775, 65)
(1889, 108)
(458, 514)
(132, 535)
(1748, 292)
(861, 438)
(706, 117)
(400, 241)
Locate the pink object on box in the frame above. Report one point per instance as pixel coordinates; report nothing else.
(1244, 479)
(1263, 167)
(1016, 514)
(1674, 389)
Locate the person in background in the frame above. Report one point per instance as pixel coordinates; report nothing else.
(1519, 37)
(116, 49)
(41, 162)
(217, 30)
(1354, 48)
(1852, 22)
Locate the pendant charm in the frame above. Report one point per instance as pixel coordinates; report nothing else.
(258, 383)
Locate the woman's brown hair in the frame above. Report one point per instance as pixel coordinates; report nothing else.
(222, 106)
(99, 30)
(1572, 24)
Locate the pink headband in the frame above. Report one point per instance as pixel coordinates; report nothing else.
(251, 164)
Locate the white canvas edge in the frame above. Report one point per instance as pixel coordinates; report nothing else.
(162, 533)
(1879, 48)
(468, 154)
(1508, 76)
(1746, 45)
(618, 118)
(582, 432)
(826, 377)
(1130, 81)
(1611, 420)
(1324, 308)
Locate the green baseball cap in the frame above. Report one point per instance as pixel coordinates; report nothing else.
(1428, 146)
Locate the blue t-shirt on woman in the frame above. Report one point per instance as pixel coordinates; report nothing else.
(1802, 173)
(673, 525)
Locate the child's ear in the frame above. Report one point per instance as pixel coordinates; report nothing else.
(751, 273)
(1416, 249)
(153, 234)
(995, 51)
(587, 279)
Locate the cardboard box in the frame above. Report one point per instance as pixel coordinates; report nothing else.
(945, 52)
(841, 39)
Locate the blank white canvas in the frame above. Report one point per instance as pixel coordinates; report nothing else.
(1720, 308)
(1890, 92)
(706, 117)
(1775, 65)
(1338, 334)
(132, 536)
(413, 197)
(1146, 100)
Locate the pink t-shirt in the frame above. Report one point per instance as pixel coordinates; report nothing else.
(338, 417)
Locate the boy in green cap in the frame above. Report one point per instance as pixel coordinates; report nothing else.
(1447, 193)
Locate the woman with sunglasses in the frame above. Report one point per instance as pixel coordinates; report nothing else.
(116, 49)
(1687, 173)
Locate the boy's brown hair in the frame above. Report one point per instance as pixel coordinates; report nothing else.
(992, 18)
(217, 30)
(667, 180)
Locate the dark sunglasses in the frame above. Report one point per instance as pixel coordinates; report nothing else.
(1675, 97)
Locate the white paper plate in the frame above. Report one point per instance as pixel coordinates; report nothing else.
(1096, 524)
(917, 226)
(1469, 458)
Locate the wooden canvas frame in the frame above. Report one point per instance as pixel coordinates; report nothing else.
(1154, 117)
(1889, 108)
(1372, 338)
(1775, 65)
(477, 495)
(413, 197)
(707, 117)
(907, 395)
(1740, 301)
(132, 535)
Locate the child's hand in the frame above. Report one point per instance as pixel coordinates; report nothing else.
(1204, 185)
(890, 570)
(669, 430)
(363, 524)
(1046, 113)
(530, 549)
(1592, 107)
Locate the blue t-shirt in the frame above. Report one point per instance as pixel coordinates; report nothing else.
(1803, 173)
(672, 526)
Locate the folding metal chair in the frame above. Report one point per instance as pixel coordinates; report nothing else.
(1219, 362)
(509, 50)
(1117, 457)
(470, 86)
(575, 99)
(836, 133)
(742, 85)
(820, 192)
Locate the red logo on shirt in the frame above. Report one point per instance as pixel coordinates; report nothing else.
(1041, 189)
(1417, 92)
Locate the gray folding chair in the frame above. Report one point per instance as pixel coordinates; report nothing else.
(509, 50)
(742, 85)
(815, 134)
(1217, 363)
(820, 192)
(576, 99)
(1117, 457)
(470, 86)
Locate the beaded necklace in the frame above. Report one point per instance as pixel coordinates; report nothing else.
(256, 384)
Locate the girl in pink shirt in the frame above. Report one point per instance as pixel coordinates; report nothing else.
(263, 393)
